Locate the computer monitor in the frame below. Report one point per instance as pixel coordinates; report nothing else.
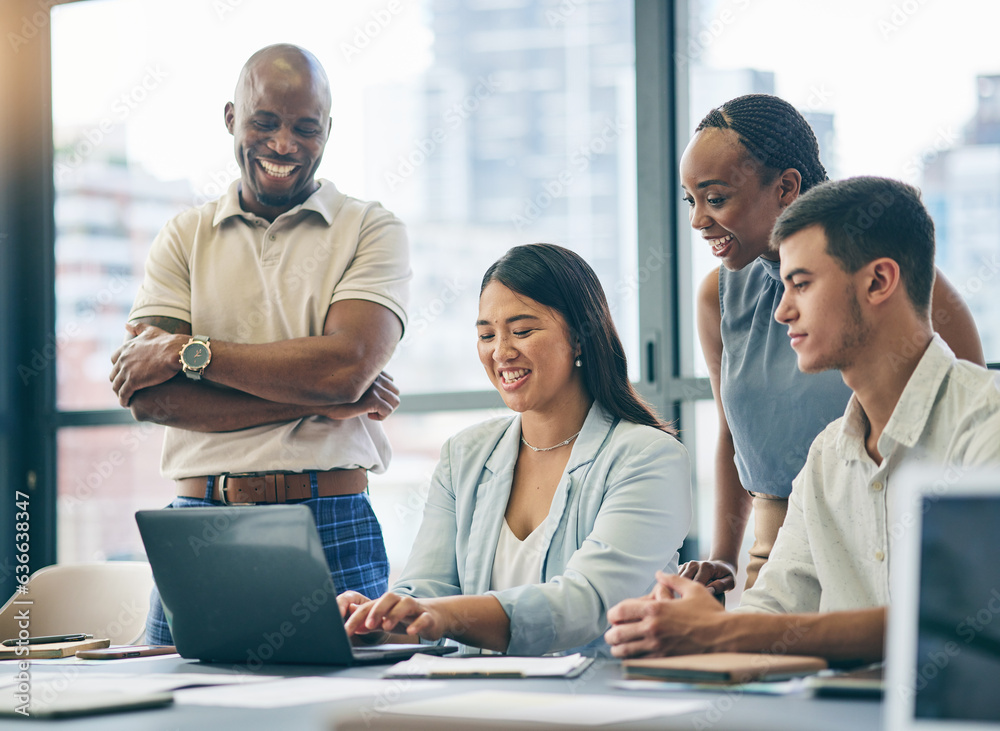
(943, 651)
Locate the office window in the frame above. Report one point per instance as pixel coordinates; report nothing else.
(105, 474)
(881, 103)
(902, 90)
(481, 127)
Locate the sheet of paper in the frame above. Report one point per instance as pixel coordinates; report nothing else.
(430, 666)
(294, 692)
(57, 682)
(42, 661)
(556, 708)
(781, 687)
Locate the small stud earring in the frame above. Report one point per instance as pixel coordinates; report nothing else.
(579, 363)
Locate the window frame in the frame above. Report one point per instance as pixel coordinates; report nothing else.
(29, 416)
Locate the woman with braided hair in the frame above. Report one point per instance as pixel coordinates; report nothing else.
(747, 160)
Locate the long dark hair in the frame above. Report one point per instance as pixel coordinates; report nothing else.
(774, 133)
(559, 278)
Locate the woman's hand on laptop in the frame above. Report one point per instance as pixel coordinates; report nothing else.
(397, 614)
(349, 601)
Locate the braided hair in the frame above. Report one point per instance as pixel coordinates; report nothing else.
(773, 132)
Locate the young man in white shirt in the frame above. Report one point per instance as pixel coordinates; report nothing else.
(857, 260)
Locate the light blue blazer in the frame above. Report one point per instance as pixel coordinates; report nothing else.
(620, 512)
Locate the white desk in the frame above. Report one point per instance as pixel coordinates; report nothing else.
(729, 709)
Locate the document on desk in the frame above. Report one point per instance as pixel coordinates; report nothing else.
(794, 686)
(44, 684)
(489, 666)
(74, 660)
(556, 708)
(290, 692)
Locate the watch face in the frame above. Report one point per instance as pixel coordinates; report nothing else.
(196, 355)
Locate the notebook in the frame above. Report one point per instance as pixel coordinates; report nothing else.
(251, 585)
(722, 667)
(943, 645)
(51, 650)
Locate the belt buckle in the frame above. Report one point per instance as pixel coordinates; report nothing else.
(222, 486)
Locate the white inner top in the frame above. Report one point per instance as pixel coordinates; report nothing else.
(517, 562)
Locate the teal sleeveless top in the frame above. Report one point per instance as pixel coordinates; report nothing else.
(773, 409)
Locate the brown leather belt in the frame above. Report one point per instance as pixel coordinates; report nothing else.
(275, 487)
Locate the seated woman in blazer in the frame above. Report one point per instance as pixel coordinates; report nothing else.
(535, 524)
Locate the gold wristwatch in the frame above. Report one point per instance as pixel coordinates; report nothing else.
(195, 356)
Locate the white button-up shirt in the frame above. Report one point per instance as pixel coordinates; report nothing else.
(832, 553)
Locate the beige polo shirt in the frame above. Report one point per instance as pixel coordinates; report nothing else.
(239, 278)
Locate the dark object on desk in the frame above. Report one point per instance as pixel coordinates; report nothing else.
(723, 667)
(69, 704)
(52, 650)
(251, 585)
(46, 639)
(119, 653)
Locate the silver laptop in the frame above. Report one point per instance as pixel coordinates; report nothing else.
(943, 647)
(251, 585)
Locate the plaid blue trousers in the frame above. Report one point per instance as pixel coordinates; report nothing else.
(352, 541)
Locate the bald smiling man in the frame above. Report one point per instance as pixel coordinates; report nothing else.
(263, 323)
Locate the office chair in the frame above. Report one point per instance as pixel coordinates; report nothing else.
(104, 599)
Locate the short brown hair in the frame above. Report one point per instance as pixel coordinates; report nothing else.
(866, 218)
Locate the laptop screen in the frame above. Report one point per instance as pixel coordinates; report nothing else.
(958, 625)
